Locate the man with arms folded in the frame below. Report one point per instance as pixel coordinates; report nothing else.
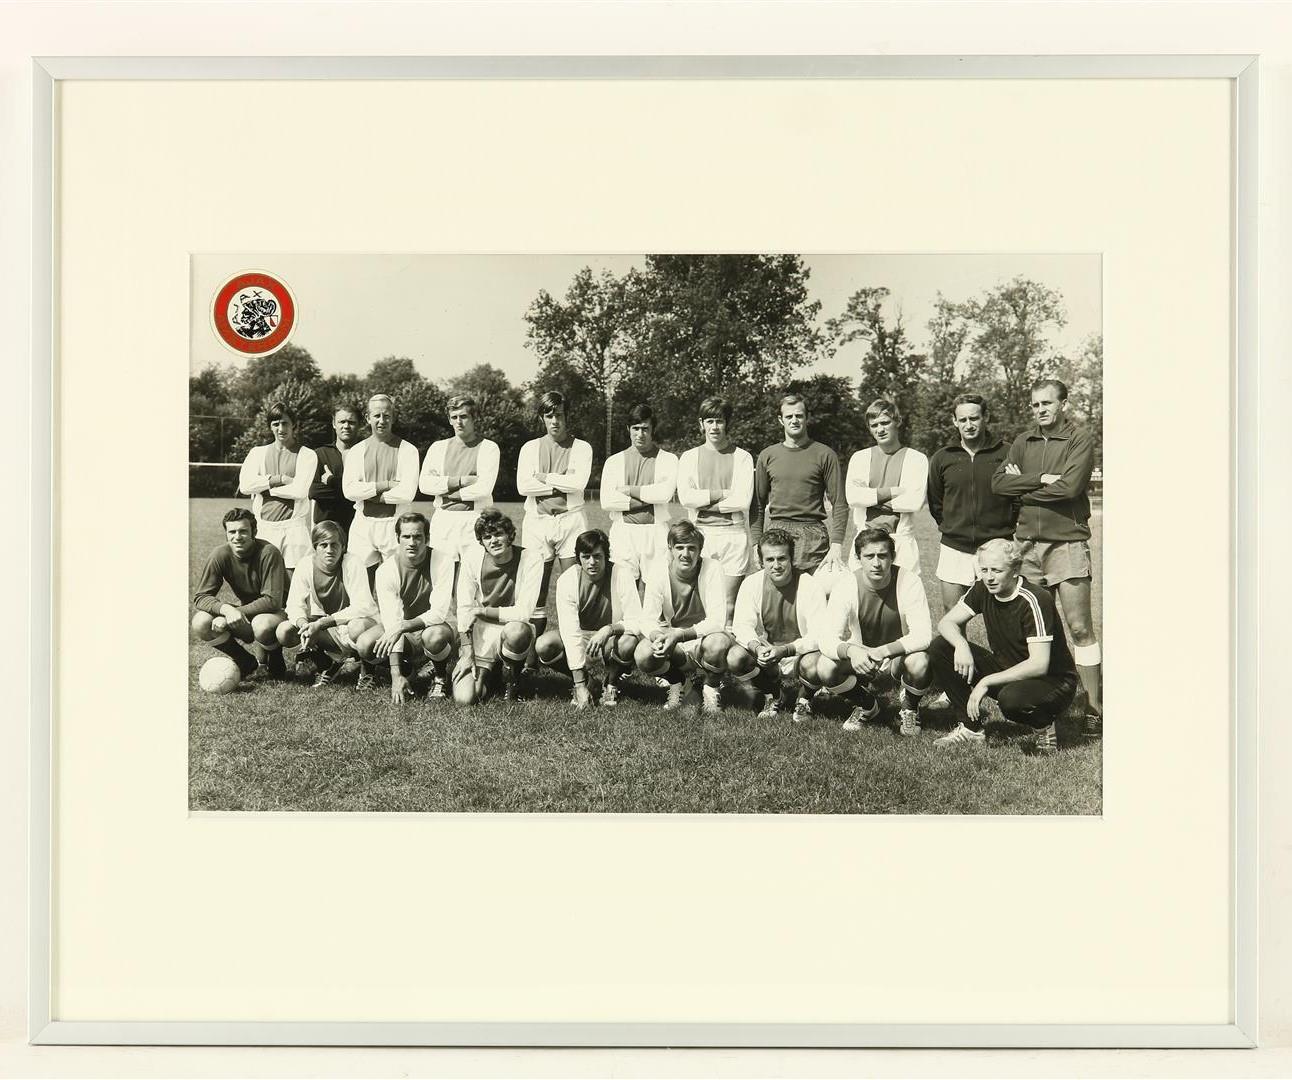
(877, 623)
(793, 481)
(961, 499)
(330, 503)
(277, 476)
(1048, 469)
(460, 472)
(886, 484)
(253, 569)
(552, 472)
(1026, 666)
(715, 482)
(779, 614)
(414, 614)
(683, 615)
(597, 616)
(497, 588)
(637, 485)
(329, 604)
(380, 476)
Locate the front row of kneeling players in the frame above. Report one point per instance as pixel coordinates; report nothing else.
(785, 638)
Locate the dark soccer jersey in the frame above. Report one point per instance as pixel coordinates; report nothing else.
(330, 589)
(498, 580)
(878, 615)
(330, 504)
(780, 610)
(279, 461)
(381, 462)
(793, 482)
(415, 585)
(459, 460)
(552, 458)
(259, 581)
(714, 470)
(688, 606)
(595, 607)
(638, 472)
(1028, 615)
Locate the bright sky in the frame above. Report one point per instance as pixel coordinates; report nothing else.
(451, 312)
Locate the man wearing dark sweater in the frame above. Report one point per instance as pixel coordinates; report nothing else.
(961, 499)
(793, 480)
(1048, 469)
(330, 503)
(254, 571)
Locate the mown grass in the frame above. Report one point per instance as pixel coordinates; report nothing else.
(287, 747)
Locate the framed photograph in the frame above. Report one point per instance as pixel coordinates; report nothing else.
(656, 544)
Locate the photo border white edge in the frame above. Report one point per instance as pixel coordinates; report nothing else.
(1241, 1032)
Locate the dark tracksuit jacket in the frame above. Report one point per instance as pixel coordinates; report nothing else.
(961, 498)
(330, 503)
(1050, 512)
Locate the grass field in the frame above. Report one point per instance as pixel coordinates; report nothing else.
(287, 747)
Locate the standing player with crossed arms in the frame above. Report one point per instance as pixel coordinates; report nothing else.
(886, 485)
(380, 476)
(637, 485)
(277, 476)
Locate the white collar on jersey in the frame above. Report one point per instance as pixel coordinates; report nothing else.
(1018, 587)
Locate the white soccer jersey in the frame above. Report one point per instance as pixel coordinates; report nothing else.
(529, 580)
(657, 604)
(907, 609)
(695, 498)
(809, 611)
(358, 487)
(659, 492)
(254, 481)
(625, 608)
(390, 597)
(433, 480)
(303, 600)
(914, 483)
(571, 482)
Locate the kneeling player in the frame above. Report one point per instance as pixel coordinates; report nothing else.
(253, 569)
(497, 589)
(778, 616)
(877, 623)
(1026, 667)
(329, 604)
(684, 611)
(597, 615)
(414, 615)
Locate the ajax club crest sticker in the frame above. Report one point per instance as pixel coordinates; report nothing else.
(254, 313)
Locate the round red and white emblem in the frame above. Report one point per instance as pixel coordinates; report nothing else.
(254, 313)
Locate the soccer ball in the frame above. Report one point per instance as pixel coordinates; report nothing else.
(219, 675)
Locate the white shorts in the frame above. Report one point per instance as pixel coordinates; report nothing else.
(453, 531)
(486, 641)
(372, 540)
(637, 547)
(906, 554)
(729, 545)
(337, 643)
(957, 567)
(553, 535)
(290, 536)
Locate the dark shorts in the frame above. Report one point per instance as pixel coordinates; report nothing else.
(811, 542)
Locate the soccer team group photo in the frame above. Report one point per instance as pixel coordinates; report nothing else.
(709, 533)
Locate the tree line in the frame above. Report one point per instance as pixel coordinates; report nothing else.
(678, 329)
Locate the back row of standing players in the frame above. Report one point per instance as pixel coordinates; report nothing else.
(754, 586)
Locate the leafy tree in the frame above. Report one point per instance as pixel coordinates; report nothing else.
(931, 424)
(214, 417)
(348, 390)
(421, 413)
(390, 373)
(891, 368)
(263, 374)
(502, 416)
(1084, 377)
(313, 418)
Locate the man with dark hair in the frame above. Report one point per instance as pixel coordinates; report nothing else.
(414, 614)
(683, 615)
(715, 482)
(253, 569)
(552, 473)
(1048, 470)
(330, 503)
(793, 481)
(460, 473)
(496, 592)
(877, 624)
(886, 484)
(597, 617)
(637, 485)
(961, 499)
(277, 476)
(779, 614)
(1026, 666)
(380, 476)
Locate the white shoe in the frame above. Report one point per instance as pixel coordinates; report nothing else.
(939, 701)
(860, 717)
(662, 682)
(1045, 743)
(609, 696)
(802, 710)
(711, 699)
(961, 736)
(674, 700)
(438, 689)
(771, 708)
(908, 722)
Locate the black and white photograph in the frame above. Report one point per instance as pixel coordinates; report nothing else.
(658, 533)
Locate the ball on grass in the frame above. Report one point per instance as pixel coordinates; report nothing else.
(219, 675)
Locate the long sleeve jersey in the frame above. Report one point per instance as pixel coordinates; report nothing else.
(780, 616)
(700, 476)
(1056, 511)
(553, 477)
(871, 470)
(330, 503)
(372, 460)
(584, 606)
(344, 596)
(793, 483)
(259, 581)
(655, 476)
(280, 502)
(405, 591)
(709, 592)
(858, 614)
(452, 457)
(512, 588)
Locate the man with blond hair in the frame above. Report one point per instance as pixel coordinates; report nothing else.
(379, 476)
